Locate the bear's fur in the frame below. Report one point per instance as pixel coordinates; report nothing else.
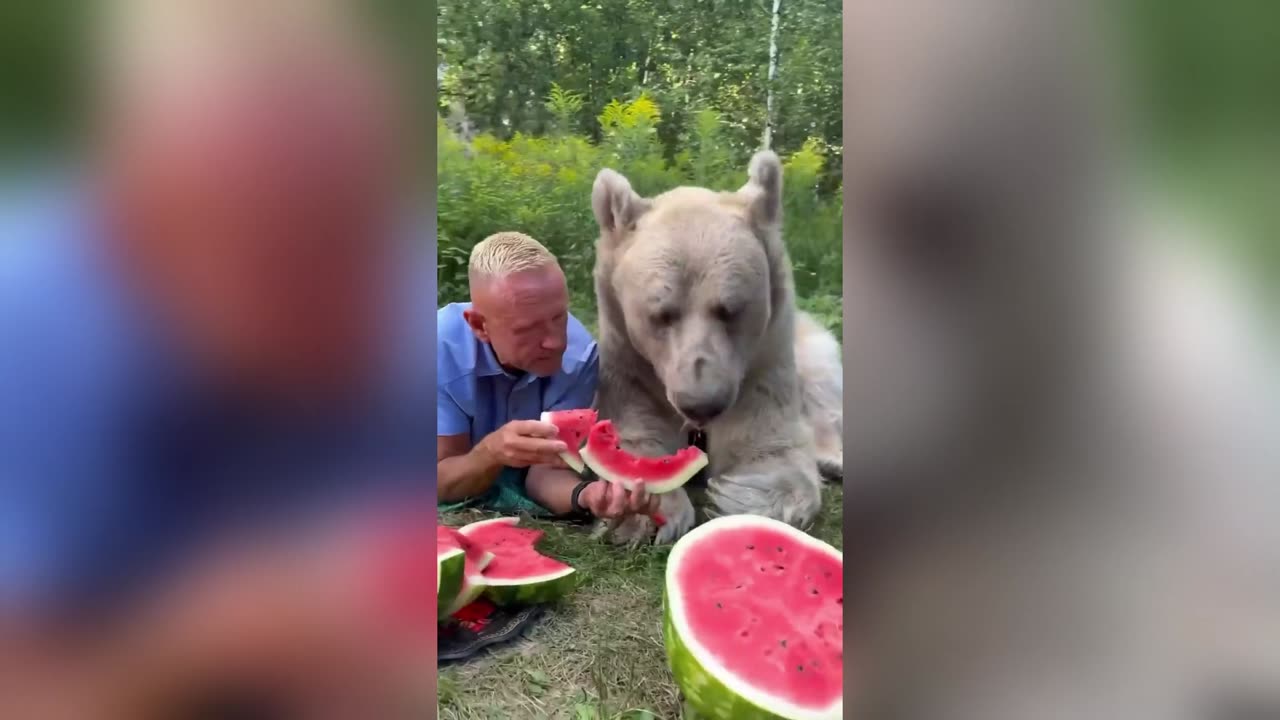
(698, 328)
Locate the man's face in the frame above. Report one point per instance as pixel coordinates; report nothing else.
(524, 316)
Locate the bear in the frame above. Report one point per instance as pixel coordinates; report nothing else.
(698, 329)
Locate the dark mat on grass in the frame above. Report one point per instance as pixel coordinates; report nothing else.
(481, 625)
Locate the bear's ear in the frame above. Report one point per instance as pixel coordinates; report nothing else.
(763, 190)
(616, 205)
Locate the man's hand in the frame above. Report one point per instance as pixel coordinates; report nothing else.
(523, 443)
(611, 501)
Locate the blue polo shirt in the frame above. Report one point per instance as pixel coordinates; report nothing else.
(475, 395)
(116, 461)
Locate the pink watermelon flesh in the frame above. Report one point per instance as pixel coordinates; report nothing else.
(604, 455)
(771, 611)
(514, 556)
(477, 556)
(446, 539)
(574, 426)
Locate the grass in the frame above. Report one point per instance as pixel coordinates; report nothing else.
(598, 655)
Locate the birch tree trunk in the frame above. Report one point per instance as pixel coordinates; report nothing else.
(773, 71)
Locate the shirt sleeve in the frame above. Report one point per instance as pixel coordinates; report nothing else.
(450, 419)
(580, 391)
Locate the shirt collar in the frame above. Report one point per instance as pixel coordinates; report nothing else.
(487, 365)
(487, 362)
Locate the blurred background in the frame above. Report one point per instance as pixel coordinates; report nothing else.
(44, 50)
(533, 98)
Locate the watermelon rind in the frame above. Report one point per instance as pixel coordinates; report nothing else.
(572, 461)
(675, 481)
(465, 529)
(711, 689)
(523, 591)
(472, 588)
(471, 585)
(449, 568)
(531, 590)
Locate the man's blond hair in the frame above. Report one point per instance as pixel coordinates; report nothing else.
(504, 253)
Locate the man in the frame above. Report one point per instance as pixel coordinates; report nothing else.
(218, 335)
(503, 359)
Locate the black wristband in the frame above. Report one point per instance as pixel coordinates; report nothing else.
(576, 507)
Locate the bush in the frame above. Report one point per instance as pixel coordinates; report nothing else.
(542, 186)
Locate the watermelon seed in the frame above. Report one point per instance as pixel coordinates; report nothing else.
(744, 633)
(779, 548)
(751, 547)
(839, 601)
(779, 567)
(719, 606)
(783, 643)
(800, 668)
(814, 591)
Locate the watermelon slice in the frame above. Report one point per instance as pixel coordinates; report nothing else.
(604, 455)
(475, 560)
(518, 574)
(753, 621)
(450, 562)
(574, 426)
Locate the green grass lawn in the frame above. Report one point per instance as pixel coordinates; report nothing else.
(598, 655)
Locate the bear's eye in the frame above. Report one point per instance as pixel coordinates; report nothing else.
(664, 317)
(724, 313)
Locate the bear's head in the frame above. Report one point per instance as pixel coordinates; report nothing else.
(693, 279)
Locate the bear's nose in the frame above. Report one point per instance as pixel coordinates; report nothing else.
(699, 409)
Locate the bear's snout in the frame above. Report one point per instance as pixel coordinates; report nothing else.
(701, 408)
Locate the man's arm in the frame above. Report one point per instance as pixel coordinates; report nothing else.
(552, 487)
(463, 471)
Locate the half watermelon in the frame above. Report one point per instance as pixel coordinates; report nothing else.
(604, 455)
(518, 573)
(574, 426)
(753, 621)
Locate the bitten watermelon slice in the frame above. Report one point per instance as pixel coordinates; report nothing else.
(574, 426)
(518, 574)
(604, 455)
(475, 560)
(753, 621)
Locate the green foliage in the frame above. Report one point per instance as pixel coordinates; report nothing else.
(563, 105)
(542, 186)
(498, 57)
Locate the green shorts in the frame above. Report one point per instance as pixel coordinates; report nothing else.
(507, 495)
